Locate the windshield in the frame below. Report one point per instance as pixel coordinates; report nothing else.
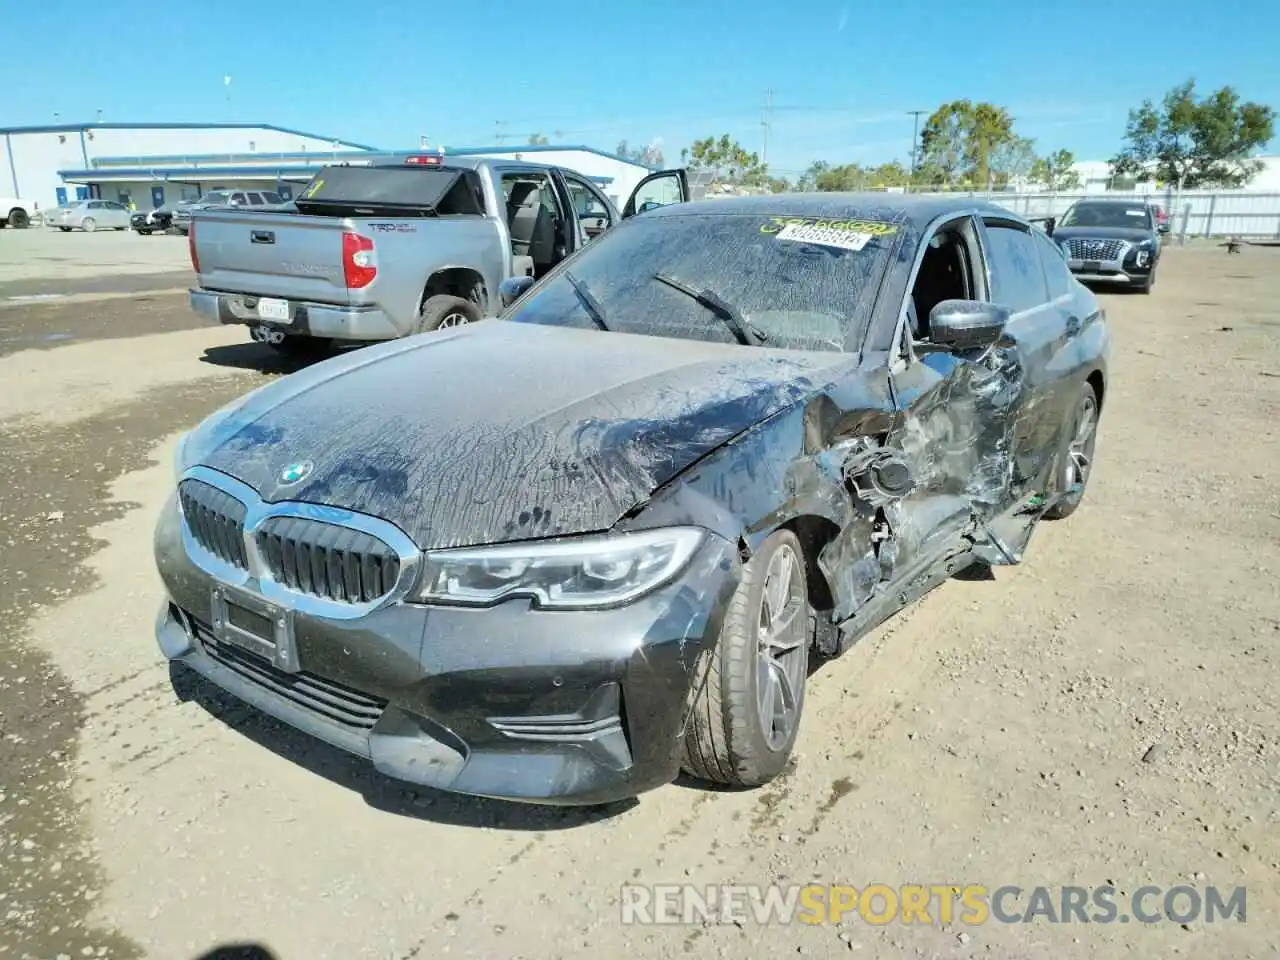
(1135, 217)
(804, 283)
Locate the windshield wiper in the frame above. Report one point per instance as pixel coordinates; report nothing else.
(744, 331)
(589, 301)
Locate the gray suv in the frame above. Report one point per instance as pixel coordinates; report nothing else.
(180, 218)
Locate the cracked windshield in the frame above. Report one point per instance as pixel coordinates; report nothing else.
(646, 511)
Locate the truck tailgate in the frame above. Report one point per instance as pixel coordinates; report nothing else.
(284, 255)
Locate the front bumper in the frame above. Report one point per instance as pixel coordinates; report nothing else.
(506, 702)
(1132, 266)
(306, 319)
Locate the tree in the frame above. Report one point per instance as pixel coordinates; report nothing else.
(808, 181)
(727, 160)
(1012, 160)
(1056, 171)
(959, 140)
(537, 140)
(1194, 142)
(649, 156)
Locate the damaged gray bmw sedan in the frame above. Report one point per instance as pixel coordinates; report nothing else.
(560, 555)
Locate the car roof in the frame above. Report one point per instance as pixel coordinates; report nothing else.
(898, 207)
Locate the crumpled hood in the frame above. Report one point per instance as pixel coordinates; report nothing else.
(1101, 233)
(502, 431)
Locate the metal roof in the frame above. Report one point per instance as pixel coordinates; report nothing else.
(215, 125)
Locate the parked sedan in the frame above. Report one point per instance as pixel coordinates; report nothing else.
(722, 439)
(89, 215)
(1111, 241)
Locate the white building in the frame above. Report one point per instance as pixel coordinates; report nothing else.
(1095, 177)
(150, 164)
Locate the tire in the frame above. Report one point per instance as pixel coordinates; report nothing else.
(18, 219)
(88, 224)
(1078, 466)
(726, 740)
(145, 233)
(443, 311)
(65, 229)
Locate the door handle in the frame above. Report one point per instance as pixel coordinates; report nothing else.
(262, 236)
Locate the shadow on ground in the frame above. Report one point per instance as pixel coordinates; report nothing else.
(239, 951)
(255, 356)
(380, 792)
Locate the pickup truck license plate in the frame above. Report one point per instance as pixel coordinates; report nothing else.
(269, 309)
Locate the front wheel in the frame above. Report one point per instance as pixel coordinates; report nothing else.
(443, 311)
(749, 685)
(18, 219)
(1079, 462)
(88, 225)
(65, 229)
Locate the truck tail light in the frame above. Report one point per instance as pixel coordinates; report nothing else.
(425, 161)
(191, 246)
(358, 264)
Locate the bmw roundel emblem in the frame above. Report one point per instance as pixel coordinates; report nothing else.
(296, 473)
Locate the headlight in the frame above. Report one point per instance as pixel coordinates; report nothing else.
(564, 574)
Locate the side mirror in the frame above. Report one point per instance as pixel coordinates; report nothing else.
(649, 205)
(513, 288)
(967, 324)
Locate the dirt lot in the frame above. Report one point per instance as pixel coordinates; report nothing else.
(1000, 732)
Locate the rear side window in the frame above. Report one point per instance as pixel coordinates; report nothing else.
(1056, 271)
(255, 199)
(1017, 278)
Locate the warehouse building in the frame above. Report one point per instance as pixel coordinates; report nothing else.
(147, 165)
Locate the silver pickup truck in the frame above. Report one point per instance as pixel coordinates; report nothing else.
(376, 252)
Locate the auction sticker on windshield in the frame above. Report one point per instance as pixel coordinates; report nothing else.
(843, 234)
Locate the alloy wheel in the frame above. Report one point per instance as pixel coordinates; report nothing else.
(783, 629)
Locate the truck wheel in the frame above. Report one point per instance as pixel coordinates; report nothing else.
(750, 681)
(18, 219)
(443, 311)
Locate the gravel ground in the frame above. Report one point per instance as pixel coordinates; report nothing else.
(1107, 712)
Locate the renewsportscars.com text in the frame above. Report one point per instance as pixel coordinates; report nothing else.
(880, 904)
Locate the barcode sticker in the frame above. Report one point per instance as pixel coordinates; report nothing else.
(824, 236)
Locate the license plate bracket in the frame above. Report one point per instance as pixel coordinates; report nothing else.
(1093, 266)
(270, 308)
(250, 623)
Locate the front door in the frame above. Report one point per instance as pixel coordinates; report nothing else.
(955, 414)
(658, 190)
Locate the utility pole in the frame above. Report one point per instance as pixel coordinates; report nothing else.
(915, 139)
(765, 117)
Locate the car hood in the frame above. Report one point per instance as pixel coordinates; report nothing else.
(501, 431)
(1102, 233)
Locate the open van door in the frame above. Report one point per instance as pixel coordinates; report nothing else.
(659, 189)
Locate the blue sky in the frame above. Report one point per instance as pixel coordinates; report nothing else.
(843, 73)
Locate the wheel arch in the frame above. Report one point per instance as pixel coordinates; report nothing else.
(457, 281)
